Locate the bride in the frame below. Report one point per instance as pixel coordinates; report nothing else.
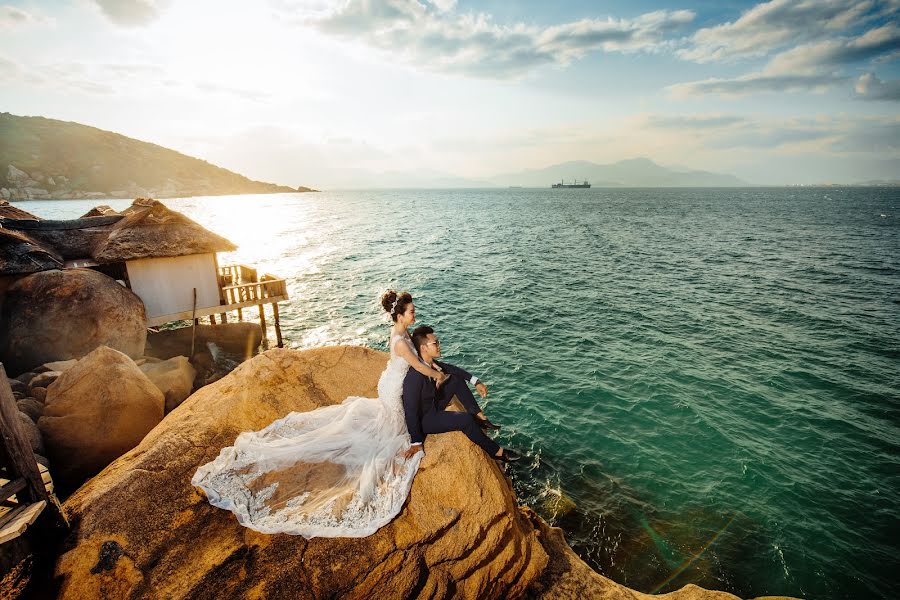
(337, 471)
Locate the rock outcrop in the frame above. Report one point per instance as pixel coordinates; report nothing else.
(96, 411)
(140, 530)
(59, 315)
(173, 377)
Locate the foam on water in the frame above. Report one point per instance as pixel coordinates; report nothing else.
(709, 376)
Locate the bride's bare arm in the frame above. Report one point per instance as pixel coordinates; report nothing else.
(406, 352)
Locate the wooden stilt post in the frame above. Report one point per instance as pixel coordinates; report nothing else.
(224, 317)
(212, 319)
(262, 324)
(240, 314)
(194, 321)
(277, 325)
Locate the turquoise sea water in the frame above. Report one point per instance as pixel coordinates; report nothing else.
(712, 377)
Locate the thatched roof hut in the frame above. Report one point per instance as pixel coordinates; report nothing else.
(165, 258)
(146, 229)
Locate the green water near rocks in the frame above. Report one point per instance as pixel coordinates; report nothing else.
(711, 376)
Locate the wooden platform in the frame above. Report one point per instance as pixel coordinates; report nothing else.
(26, 488)
(18, 519)
(15, 517)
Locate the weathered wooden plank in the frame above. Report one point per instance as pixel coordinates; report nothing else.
(16, 445)
(14, 523)
(45, 477)
(11, 488)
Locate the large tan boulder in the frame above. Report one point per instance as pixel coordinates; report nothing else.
(140, 530)
(173, 377)
(96, 411)
(60, 365)
(59, 315)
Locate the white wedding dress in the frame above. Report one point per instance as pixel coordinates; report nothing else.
(337, 471)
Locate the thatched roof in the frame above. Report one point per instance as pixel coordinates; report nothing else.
(8, 211)
(19, 254)
(71, 239)
(149, 229)
(146, 229)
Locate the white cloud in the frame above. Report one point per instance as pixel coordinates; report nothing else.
(872, 44)
(12, 18)
(433, 36)
(756, 83)
(869, 87)
(812, 67)
(132, 13)
(694, 122)
(772, 25)
(822, 134)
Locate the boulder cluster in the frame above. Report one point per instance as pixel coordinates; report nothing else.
(80, 415)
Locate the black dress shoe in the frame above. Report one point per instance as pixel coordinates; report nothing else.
(508, 456)
(486, 424)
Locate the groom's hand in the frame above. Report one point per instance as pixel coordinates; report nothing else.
(412, 450)
(481, 388)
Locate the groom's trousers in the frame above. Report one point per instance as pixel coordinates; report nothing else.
(442, 420)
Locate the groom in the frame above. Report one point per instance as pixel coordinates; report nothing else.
(425, 405)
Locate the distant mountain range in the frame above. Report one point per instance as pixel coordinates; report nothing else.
(46, 158)
(635, 172)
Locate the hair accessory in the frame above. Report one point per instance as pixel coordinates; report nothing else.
(394, 305)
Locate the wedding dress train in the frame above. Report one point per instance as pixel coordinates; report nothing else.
(337, 471)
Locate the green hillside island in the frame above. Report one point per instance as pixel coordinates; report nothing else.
(49, 159)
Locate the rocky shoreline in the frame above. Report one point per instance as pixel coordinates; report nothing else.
(140, 530)
(38, 185)
(123, 420)
(447, 542)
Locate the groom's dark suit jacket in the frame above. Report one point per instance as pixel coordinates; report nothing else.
(421, 396)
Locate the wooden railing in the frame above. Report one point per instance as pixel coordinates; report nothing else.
(255, 292)
(237, 274)
(241, 287)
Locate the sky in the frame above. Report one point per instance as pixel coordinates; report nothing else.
(334, 94)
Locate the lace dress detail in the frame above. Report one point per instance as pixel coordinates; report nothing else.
(337, 471)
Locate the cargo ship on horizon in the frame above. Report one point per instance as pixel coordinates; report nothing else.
(574, 184)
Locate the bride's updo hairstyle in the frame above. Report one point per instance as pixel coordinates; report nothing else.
(395, 304)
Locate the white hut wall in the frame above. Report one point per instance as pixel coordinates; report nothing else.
(166, 284)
